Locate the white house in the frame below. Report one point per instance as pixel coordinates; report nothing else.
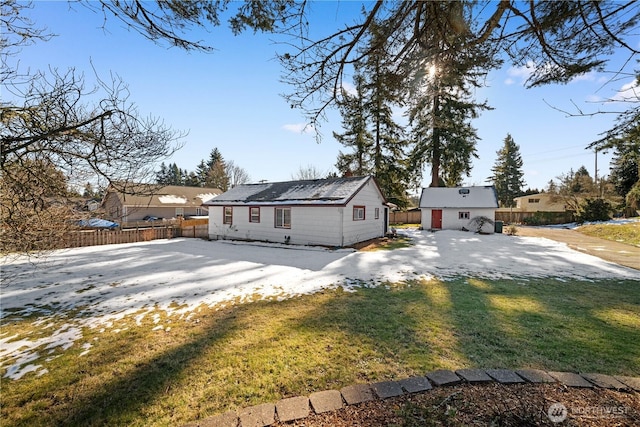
(329, 212)
(455, 208)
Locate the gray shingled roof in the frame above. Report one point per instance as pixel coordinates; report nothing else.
(335, 191)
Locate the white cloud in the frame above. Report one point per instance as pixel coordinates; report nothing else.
(628, 92)
(349, 88)
(301, 128)
(520, 74)
(587, 77)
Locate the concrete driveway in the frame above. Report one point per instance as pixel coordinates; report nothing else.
(620, 253)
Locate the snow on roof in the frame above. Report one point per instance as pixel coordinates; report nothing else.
(166, 196)
(172, 199)
(336, 191)
(459, 197)
(206, 196)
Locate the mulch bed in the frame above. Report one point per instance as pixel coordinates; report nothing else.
(489, 405)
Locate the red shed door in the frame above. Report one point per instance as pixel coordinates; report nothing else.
(436, 219)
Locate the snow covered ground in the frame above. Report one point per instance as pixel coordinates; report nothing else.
(106, 283)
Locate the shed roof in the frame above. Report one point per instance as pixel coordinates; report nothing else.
(164, 196)
(332, 191)
(459, 197)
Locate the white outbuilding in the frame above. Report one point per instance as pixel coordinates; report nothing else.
(332, 212)
(458, 208)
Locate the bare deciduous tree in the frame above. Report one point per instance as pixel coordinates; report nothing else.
(51, 124)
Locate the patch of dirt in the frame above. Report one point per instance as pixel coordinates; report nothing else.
(490, 405)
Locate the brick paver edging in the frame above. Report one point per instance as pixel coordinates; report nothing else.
(296, 408)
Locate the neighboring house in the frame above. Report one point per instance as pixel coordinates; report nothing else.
(329, 212)
(454, 208)
(170, 201)
(542, 202)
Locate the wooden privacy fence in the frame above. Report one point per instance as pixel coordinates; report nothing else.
(196, 228)
(82, 238)
(406, 217)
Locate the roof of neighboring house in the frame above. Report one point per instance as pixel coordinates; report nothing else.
(538, 195)
(332, 191)
(459, 197)
(164, 196)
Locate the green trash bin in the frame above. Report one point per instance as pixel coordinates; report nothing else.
(498, 228)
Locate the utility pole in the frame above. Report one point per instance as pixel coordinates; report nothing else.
(595, 179)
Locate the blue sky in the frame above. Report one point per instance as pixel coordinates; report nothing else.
(230, 99)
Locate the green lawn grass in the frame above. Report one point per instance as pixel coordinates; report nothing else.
(623, 233)
(263, 351)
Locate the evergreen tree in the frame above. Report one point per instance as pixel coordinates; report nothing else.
(507, 173)
(382, 92)
(356, 135)
(624, 138)
(216, 172)
(442, 106)
(625, 170)
(162, 175)
(376, 140)
(202, 170)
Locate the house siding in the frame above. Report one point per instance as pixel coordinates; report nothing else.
(370, 227)
(451, 220)
(326, 225)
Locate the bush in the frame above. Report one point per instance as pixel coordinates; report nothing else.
(511, 230)
(593, 210)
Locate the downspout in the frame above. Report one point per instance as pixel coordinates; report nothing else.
(342, 227)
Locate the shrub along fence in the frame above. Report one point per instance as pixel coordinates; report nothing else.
(535, 218)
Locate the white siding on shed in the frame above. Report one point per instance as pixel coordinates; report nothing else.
(451, 218)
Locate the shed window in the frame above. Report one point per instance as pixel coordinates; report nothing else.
(463, 215)
(358, 213)
(377, 213)
(283, 217)
(254, 214)
(534, 200)
(228, 215)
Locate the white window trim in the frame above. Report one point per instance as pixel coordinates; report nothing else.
(356, 213)
(283, 223)
(251, 208)
(224, 215)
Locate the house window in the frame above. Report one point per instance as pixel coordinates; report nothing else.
(534, 200)
(179, 211)
(283, 217)
(377, 213)
(201, 211)
(358, 213)
(228, 215)
(463, 215)
(254, 214)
